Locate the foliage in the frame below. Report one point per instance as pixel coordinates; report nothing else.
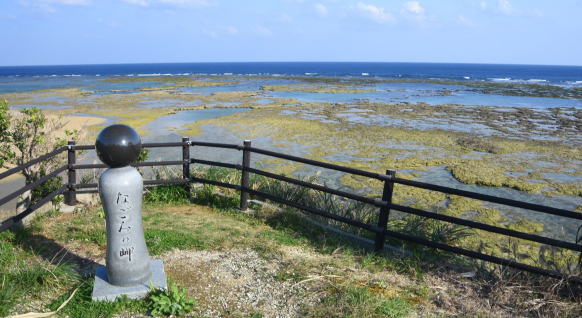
(47, 188)
(5, 119)
(27, 135)
(434, 230)
(173, 194)
(172, 302)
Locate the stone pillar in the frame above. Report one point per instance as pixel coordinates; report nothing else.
(121, 191)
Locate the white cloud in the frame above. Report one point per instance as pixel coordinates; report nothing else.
(211, 33)
(173, 3)
(7, 15)
(48, 5)
(461, 20)
(320, 8)
(506, 8)
(284, 18)
(137, 2)
(263, 31)
(231, 30)
(112, 24)
(200, 3)
(413, 6)
(413, 10)
(70, 2)
(483, 5)
(375, 13)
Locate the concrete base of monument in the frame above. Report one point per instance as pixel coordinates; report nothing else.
(102, 290)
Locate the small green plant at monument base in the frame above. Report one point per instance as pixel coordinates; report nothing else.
(172, 302)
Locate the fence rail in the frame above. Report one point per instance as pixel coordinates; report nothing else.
(385, 204)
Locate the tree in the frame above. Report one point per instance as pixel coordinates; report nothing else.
(26, 135)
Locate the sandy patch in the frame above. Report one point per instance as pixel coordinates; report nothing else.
(80, 123)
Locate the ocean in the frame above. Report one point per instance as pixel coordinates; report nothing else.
(545, 74)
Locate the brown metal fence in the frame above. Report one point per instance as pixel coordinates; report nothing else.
(385, 204)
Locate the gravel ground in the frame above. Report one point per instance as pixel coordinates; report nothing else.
(237, 282)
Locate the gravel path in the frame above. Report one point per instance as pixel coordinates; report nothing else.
(237, 282)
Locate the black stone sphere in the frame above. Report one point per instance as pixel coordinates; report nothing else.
(118, 146)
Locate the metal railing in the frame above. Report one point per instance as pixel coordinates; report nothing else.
(385, 203)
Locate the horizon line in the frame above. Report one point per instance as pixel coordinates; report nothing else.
(218, 62)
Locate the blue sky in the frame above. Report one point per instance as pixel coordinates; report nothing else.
(53, 32)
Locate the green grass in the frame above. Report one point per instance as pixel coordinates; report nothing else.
(23, 272)
(81, 305)
(351, 301)
(173, 194)
(159, 241)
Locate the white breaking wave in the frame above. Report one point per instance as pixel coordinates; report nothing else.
(154, 74)
(227, 73)
(536, 80)
(466, 77)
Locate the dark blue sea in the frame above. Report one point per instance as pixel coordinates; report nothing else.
(560, 75)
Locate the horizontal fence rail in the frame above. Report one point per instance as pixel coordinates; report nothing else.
(385, 204)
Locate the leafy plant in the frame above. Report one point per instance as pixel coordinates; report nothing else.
(167, 194)
(27, 135)
(47, 188)
(172, 302)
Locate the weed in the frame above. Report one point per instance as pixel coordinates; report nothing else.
(172, 302)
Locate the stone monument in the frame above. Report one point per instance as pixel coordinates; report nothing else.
(128, 269)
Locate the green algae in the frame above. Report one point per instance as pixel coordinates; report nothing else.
(508, 89)
(175, 81)
(526, 226)
(489, 216)
(458, 205)
(321, 88)
(485, 174)
(479, 144)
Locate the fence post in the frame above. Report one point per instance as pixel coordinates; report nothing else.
(244, 182)
(186, 166)
(72, 159)
(384, 212)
